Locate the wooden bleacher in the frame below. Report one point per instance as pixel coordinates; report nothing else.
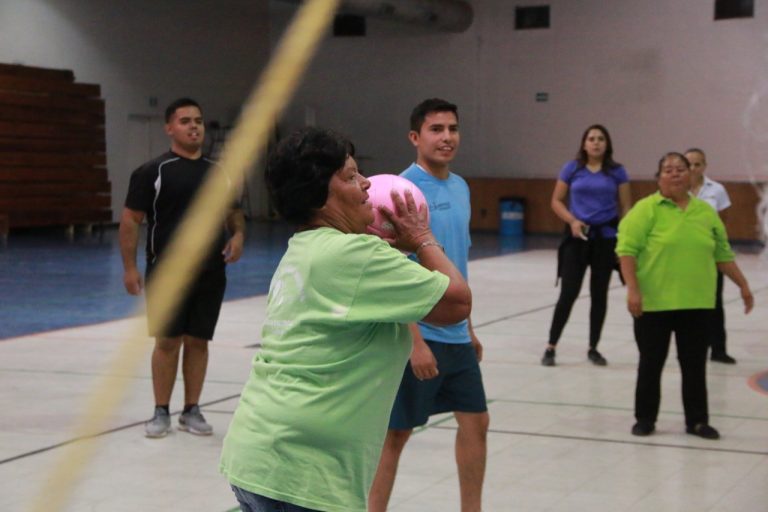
(52, 150)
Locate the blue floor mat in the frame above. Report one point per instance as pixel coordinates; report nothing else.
(51, 280)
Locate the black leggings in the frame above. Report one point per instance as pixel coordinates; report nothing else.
(576, 255)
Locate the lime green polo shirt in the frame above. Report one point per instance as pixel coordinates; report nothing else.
(312, 417)
(676, 252)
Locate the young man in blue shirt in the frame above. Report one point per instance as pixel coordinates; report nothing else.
(443, 374)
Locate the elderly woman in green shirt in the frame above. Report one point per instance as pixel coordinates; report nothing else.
(309, 428)
(670, 245)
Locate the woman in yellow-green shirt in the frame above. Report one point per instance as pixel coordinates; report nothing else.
(671, 244)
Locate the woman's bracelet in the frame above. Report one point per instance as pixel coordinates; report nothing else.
(428, 243)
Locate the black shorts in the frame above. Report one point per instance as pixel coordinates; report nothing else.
(457, 388)
(198, 313)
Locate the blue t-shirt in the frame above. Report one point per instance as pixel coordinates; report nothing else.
(449, 214)
(593, 196)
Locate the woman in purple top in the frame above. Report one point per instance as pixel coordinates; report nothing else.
(599, 194)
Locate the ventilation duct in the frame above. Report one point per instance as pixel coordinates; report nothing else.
(439, 15)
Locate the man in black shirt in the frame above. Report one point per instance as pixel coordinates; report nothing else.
(160, 191)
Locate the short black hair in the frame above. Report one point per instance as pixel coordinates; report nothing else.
(672, 154)
(426, 107)
(300, 169)
(177, 104)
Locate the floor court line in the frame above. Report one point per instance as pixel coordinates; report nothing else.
(443, 425)
(137, 423)
(101, 374)
(582, 296)
(616, 408)
(526, 312)
(435, 424)
(440, 424)
(616, 441)
(101, 434)
(429, 425)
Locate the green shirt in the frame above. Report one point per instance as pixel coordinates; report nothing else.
(312, 418)
(676, 251)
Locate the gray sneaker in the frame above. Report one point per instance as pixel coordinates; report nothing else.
(194, 422)
(159, 425)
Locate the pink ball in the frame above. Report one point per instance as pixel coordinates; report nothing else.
(379, 195)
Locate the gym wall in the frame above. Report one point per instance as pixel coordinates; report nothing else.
(142, 51)
(660, 75)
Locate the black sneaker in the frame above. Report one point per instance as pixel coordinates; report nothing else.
(642, 429)
(722, 357)
(549, 357)
(704, 431)
(596, 357)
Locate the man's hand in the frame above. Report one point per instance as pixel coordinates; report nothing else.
(130, 220)
(477, 346)
(423, 362)
(133, 281)
(234, 248)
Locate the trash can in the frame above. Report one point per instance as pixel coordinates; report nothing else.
(512, 215)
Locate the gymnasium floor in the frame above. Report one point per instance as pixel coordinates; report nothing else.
(559, 437)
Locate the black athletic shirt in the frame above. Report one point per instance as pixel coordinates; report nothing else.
(163, 188)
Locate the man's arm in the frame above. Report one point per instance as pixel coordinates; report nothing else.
(236, 227)
(130, 222)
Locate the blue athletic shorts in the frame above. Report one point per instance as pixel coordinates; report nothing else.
(458, 387)
(251, 502)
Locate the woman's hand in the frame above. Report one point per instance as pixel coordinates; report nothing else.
(411, 224)
(132, 281)
(747, 299)
(634, 302)
(579, 229)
